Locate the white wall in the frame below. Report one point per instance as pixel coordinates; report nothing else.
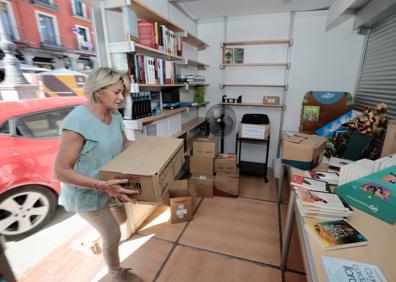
(320, 61)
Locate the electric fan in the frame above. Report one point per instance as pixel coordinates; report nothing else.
(221, 120)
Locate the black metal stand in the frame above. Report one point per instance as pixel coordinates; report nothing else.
(252, 167)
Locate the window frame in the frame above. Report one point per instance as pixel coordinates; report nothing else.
(14, 121)
(10, 12)
(83, 6)
(88, 36)
(55, 23)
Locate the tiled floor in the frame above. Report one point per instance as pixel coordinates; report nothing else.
(229, 239)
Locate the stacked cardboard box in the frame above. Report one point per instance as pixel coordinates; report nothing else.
(227, 176)
(202, 166)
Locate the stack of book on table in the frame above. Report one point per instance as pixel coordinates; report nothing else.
(315, 200)
(364, 167)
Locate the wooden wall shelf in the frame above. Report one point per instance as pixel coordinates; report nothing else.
(257, 42)
(186, 127)
(247, 104)
(195, 41)
(144, 12)
(159, 86)
(197, 64)
(142, 49)
(257, 65)
(253, 85)
(167, 113)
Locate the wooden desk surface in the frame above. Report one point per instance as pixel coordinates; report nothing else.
(381, 248)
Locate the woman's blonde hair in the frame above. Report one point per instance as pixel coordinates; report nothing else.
(102, 78)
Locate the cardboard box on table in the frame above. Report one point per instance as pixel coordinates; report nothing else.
(301, 150)
(180, 197)
(204, 147)
(226, 185)
(374, 194)
(225, 163)
(149, 164)
(203, 185)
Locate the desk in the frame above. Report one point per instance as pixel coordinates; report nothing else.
(381, 248)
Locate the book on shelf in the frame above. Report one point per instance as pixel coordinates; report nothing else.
(228, 55)
(326, 176)
(238, 55)
(309, 183)
(335, 234)
(342, 270)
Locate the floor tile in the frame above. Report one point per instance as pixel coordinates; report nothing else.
(204, 266)
(254, 187)
(294, 277)
(239, 227)
(158, 224)
(144, 254)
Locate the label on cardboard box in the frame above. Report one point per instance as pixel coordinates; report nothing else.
(254, 131)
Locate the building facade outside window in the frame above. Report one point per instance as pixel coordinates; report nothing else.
(7, 17)
(79, 8)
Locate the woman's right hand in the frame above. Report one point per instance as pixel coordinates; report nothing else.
(113, 189)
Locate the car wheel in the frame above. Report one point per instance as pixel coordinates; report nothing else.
(26, 209)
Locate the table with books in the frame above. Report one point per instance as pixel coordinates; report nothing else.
(372, 251)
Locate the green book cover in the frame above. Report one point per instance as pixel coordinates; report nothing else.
(374, 194)
(311, 113)
(238, 55)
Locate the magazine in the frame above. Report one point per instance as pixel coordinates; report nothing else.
(309, 183)
(238, 55)
(342, 270)
(228, 55)
(329, 177)
(320, 200)
(336, 234)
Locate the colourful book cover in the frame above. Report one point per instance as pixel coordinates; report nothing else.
(329, 177)
(337, 234)
(320, 200)
(309, 183)
(238, 55)
(311, 113)
(342, 270)
(228, 56)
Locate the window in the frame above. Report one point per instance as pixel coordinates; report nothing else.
(79, 8)
(7, 17)
(5, 128)
(377, 79)
(48, 30)
(41, 125)
(83, 38)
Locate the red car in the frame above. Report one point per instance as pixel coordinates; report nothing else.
(29, 139)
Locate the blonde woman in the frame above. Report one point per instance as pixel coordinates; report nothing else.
(92, 135)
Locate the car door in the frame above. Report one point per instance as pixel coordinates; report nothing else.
(34, 147)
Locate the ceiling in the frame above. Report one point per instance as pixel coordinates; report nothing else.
(205, 9)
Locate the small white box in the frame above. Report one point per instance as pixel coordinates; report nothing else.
(254, 131)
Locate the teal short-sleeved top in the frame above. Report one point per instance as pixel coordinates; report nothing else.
(102, 143)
